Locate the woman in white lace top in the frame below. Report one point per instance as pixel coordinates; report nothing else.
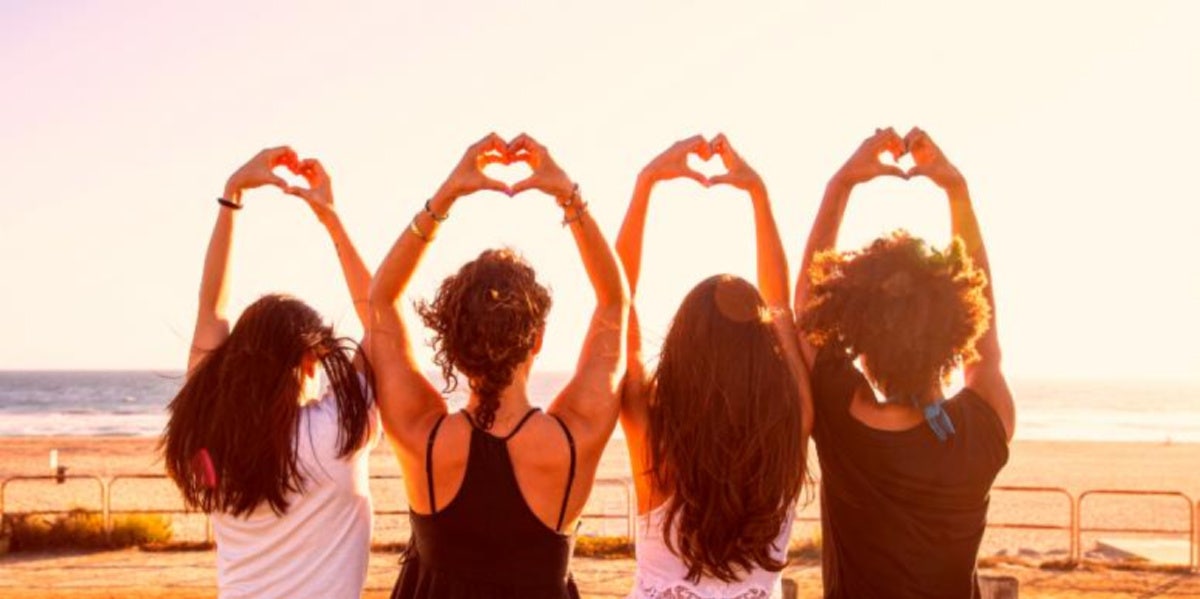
(717, 434)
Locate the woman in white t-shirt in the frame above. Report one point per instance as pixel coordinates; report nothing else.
(717, 432)
(283, 474)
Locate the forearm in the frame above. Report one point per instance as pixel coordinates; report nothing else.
(632, 234)
(965, 226)
(394, 274)
(358, 278)
(823, 236)
(605, 275)
(772, 262)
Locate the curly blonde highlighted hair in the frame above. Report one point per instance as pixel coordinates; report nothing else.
(912, 312)
(486, 319)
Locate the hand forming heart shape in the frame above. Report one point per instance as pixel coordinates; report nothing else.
(675, 162)
(469, 176)
(928, 161)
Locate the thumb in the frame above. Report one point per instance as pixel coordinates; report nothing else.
(894, 171)
(725, 179)
(495, 185)
(920, 170)
(278, 181)
(697, 177)
(522, 186)
(300, 192)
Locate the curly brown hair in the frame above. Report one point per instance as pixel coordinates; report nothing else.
(911, 311)
(486, 318)
(724, 433)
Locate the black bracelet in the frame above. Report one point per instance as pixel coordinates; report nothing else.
(228, 204)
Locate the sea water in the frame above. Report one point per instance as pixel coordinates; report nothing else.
(133, 403)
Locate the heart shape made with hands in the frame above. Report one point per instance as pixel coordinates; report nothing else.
(293, 172)
(708, 164)
(904, 162)
(507, 166)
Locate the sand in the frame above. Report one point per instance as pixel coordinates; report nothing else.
(1076, 467)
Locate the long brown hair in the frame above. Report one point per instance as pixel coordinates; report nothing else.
(725, 432)
(241, 405)
(911, 311)
(486, 319)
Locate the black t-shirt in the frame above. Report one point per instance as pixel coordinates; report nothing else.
(902, 513)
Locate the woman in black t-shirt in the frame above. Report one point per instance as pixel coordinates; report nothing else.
(905, 481)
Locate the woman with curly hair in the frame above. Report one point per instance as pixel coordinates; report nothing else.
(717, 433)
(905, 481)
(283, 474)
(495, 489)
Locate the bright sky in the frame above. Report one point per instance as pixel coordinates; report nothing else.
(1076, 124)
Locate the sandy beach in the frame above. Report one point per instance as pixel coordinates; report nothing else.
(1075, 467)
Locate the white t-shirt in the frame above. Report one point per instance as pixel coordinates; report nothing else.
(662, 575)
(321, 546)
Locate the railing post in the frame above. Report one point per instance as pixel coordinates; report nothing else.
(1076, 554)
(107, 509)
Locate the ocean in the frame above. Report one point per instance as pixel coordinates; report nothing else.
(132, 403)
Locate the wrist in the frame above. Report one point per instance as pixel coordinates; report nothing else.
(233, 192)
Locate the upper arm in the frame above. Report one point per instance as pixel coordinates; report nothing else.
(988, 382)
(211, 331)
(408, 402)
(590, 401)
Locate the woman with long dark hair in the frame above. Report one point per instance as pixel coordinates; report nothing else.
(283, 475)
(717, 433)
(905, 481)
(495, 489)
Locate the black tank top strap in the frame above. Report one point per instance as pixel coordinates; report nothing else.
(516, 429)
(429, 461)
(562, 512)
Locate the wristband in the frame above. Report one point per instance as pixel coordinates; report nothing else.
(229, 204)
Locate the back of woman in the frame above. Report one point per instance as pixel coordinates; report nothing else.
(717, 433)
(495, 489)
(904, 482)
(282, 474)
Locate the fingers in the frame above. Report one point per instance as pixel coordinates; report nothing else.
(282, 155)
(312, 171)
(524, 147)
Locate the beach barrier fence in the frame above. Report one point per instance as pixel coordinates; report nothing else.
(106, 489)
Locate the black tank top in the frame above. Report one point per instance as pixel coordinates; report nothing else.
(487, 542)
(902, 513)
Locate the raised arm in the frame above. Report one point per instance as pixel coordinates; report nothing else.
(984, 376)
(212, 322)
(590, 401)
(670, 164)
(407, 400)
(862, 166)
(319, 196)
(772, 266)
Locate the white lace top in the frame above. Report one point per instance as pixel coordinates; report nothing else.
(662, 575)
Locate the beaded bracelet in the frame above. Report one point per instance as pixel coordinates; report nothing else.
(579, 212)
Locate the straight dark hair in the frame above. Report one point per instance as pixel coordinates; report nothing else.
(240, 404)
(725, 432)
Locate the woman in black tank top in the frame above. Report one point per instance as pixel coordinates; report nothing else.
(495, 489)
(904, 483)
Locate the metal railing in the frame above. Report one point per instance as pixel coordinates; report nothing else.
(1073, 504)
